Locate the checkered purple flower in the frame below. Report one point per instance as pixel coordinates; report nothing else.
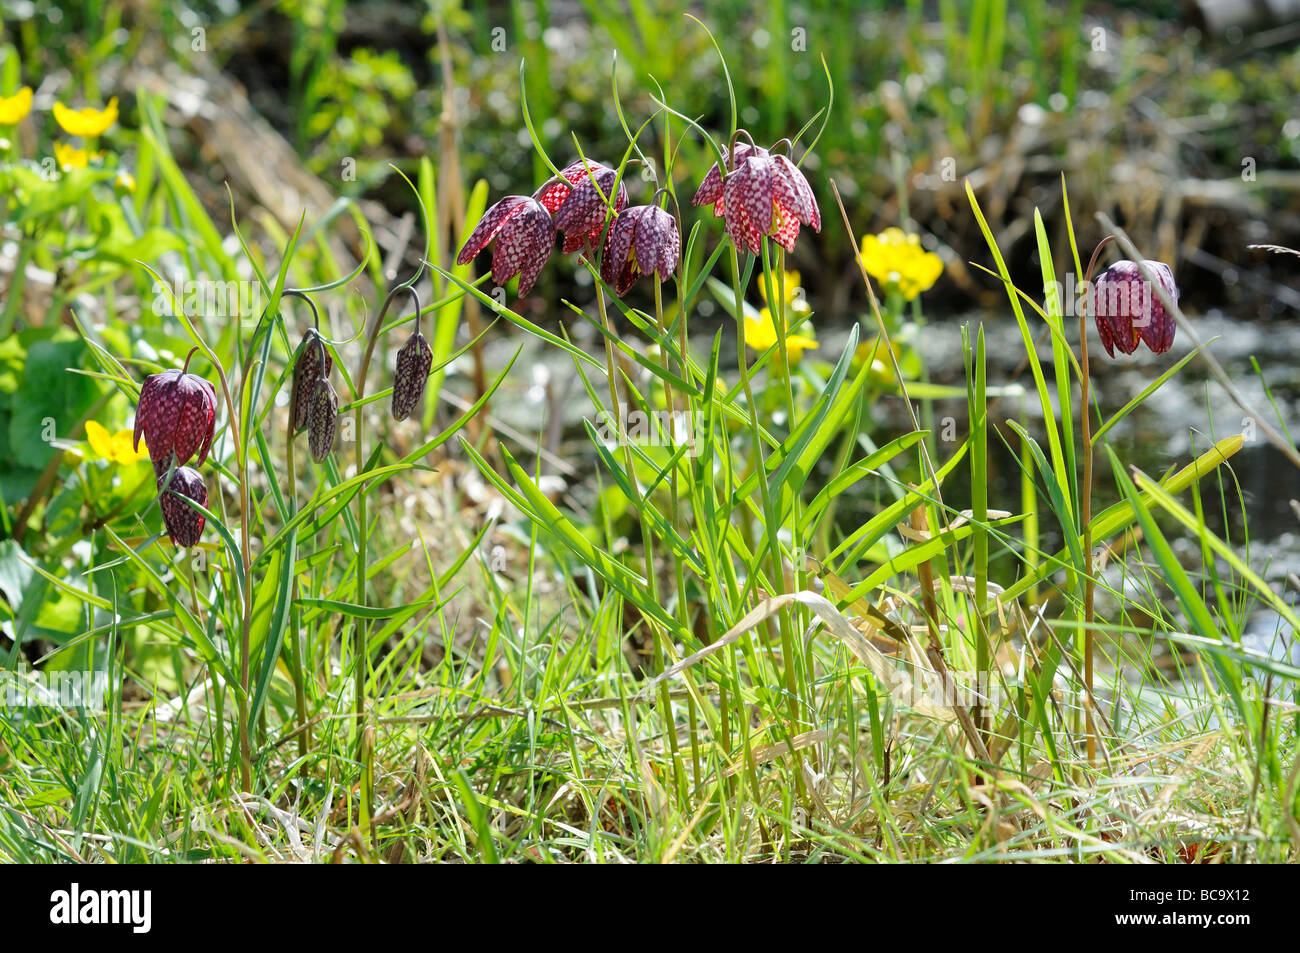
(581, 215)
(710, 190)
(524, 235)
(176, 414)
(412, 374)
(322, 419)
(642, 241)
(313, 363)
(768, 196)
(184, 523)
(557, 188)
(1128, 310)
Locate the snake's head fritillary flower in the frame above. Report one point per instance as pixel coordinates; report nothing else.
(710, 190)
(184, 523)
(642, 241)
(767, 196)
(313, 363)
(524, 236)
(412, 373)
(1127, 309)
(557, 188)
(322, 419)
(581, 216)
(175, 415)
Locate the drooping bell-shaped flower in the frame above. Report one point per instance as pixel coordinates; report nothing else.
(184, 523)
(313, 363)
(581, 215)
(643, 240)
(768, 196)
(524, 236)
(322, 419)
(175, 415)
(1128, 310)
(412, 373)
(710, 190)
(557, 188)
(761, 194)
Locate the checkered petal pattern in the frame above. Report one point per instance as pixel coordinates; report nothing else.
(307, 369)
(557, 188)
(643, 240)
(322, 420)
(747, 193)
(184, 523)
(175, 415)
(710, 191)
(524, 235)
(1127, 310)
(658, 243)
(412, 373)
(581, 217)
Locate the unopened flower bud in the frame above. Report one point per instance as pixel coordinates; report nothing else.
(412, 373)
(322, 420)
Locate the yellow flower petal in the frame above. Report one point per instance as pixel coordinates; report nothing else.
(788, 284)
(115, 447)
(85, 122)
(796, 344)
(122, 450)
(14, 108)
(899, 262)
(100, 440)
(760, 334)
(70, 157)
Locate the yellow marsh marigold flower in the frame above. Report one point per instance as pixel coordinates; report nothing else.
(85, 122)
(898, 262)
(760, 334)
(787, 283)
(114, 447)
(14, 108)
(875, 353)
(70, 157)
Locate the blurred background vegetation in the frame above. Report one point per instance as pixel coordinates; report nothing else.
(1152, 115)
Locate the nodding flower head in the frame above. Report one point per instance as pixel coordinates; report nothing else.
(313, 363)
(581, 215)
(642, 241)
(322, 419)
(412, 373)
(524, 237)
(1128, 310)
(557, 188)
(768, 196)
(175, 415)
(184, 523)
(710, 190)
